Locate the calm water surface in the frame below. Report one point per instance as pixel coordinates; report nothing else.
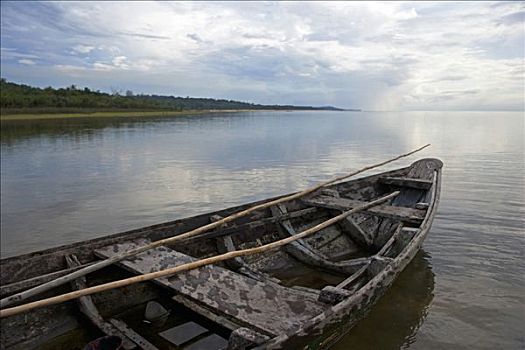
(70, 180)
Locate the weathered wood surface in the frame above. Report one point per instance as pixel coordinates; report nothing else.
(320, 325)
(402, 239)
(332, 192)
(303, 252)
(35, 281)
(391, 241)
(36, 264)
(385, 230)
(208, 313)
(232, 230)
(330, 242)
(245, 338)
(42, 263)
(333, 295)
(88, 308)
(423, 169)
(356, 233)
(336, 294)
(349, 280)
(131, 334)
(32, 330)
(346, 314)
(378, 264)
(349, 226)
(272, 246)
(286, 229)
(409, 215)
(422, 205)
(225, 244)
(270, 308)
(420, 184)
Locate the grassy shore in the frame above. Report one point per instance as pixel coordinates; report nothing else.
(110, 114)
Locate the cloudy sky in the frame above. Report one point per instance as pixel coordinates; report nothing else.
(375, 56)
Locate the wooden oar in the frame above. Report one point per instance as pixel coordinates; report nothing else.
(101, 264)
(190, 266)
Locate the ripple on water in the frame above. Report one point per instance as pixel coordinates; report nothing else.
(81, 179)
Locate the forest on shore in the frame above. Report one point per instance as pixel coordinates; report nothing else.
(19, 98)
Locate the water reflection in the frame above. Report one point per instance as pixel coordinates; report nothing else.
(82, 178)
(86, 178)
(225, 140)
(72, 180)
(396, 318)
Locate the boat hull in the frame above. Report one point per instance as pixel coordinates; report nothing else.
(38, 327)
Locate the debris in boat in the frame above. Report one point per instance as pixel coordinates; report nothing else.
(155, 313)
(109, 342)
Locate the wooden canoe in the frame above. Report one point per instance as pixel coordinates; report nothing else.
(306, 295)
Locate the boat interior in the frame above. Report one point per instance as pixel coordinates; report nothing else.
(241, 302)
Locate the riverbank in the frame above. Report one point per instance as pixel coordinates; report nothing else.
(119, 114)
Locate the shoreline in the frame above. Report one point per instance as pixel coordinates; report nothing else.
(136, 114)
(110, 114)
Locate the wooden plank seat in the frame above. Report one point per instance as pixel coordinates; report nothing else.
(420, 184)
(414, 216)
(266, 307)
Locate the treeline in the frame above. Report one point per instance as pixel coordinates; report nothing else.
(18, 97)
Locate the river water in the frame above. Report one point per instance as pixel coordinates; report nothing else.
(69, 180)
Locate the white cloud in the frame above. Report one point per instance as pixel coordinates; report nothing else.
(102, 66)
(26, 61)
(11, 53)
(391, 55)
(120, 62)
(82, 49)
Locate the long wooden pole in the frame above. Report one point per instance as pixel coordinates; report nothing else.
(99, 265)
(190, 266)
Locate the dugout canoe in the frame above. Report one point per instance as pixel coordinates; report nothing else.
(307, 294)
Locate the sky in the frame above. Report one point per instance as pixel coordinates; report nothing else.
(370, 55)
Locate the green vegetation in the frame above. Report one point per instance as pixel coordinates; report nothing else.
(19, 101)
(31, 115)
